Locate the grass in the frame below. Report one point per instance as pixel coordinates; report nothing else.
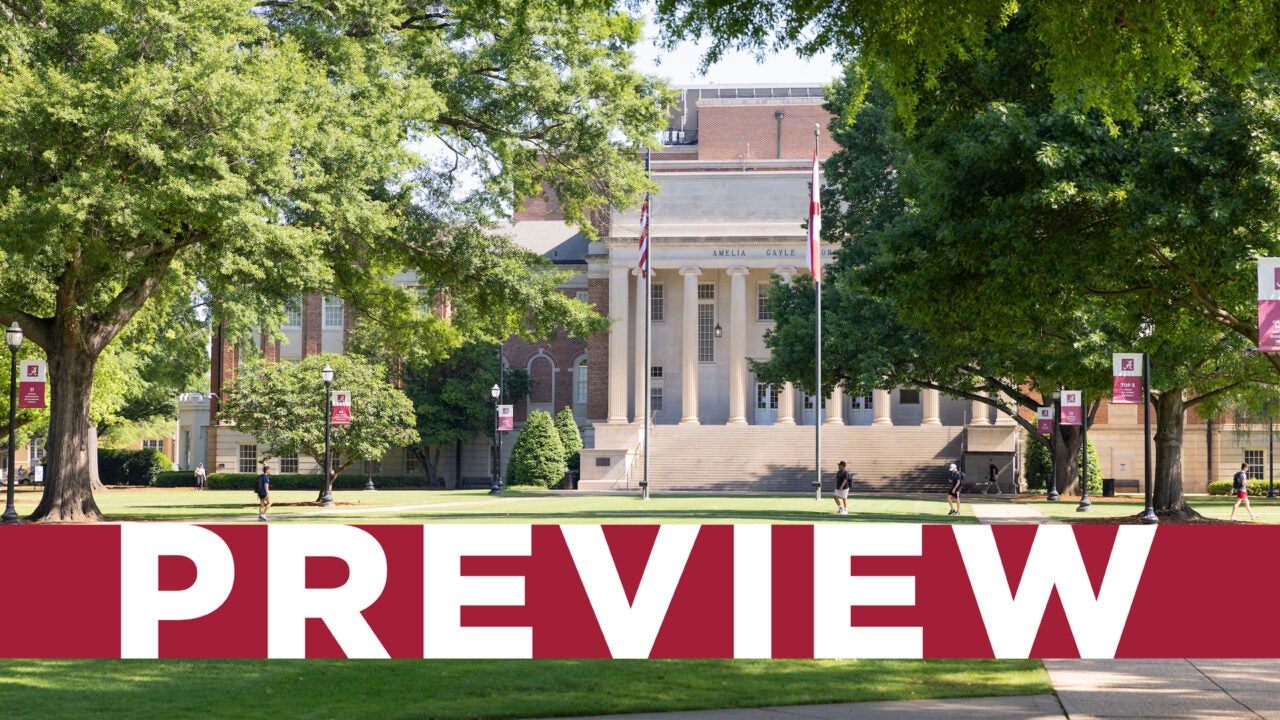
(403, 689)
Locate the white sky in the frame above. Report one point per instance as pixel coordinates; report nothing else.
(680, 66)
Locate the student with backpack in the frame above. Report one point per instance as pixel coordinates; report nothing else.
(1240, 488)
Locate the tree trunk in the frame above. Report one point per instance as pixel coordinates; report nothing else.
(68, 495)
(431, 461)
(95, 481)
(1167, 497)
(457, 464)
(1066, 459)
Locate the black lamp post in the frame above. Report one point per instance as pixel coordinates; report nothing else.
(495, 486)
(326, 498)
(1053, 447)
(14, 337)
(1085, 505)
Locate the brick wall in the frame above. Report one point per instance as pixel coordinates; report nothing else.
(312, 317)
(726, 130)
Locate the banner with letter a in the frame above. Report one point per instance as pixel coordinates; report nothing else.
(1072, 408)
(1126, 374)
(1044, 420)
(31, 383)
(1269, 304)
(341, 414)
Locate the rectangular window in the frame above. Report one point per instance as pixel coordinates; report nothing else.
(1256, 460)
(333, 312)
(706, 323)
(659, 306)
(247, 459)
(411, 464)
(581, 295)
(292, 315)
(289, 463)
(762, 303)
(35, 451)
(909, 396)
(580, 383)
(153, 445)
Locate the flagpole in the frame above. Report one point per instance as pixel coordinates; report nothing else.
(648, 344)
(816, 268)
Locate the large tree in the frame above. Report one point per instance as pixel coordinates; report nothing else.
(255, 151)
(283, 405)
(1101, 53)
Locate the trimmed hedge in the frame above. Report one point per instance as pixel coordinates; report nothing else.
(538, 457)
(175, 478)
(131, 467)
(1256, 488)
(245, 481)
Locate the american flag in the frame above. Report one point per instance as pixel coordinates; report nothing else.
(813, 253)
(644, 226)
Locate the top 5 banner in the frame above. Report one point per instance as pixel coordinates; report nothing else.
(829, 590)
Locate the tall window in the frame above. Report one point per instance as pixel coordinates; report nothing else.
(707, 323)
(762, 302)
(411, 464)
(332, 312)
(580, 383)
(659, 306)
(247, 459)
(655, 388)
(292, 315)
(1256, 460)
(35, 451)
(289, 463)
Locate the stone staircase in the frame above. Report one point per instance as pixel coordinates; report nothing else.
(756, 458)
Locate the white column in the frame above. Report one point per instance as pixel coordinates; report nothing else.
(689, 348)
(737, 346)
(929, 404)
(787, 405)
(637, 415)
(979, 411)
(882, 403)
(618, 307)
(835, 407)
(1004, 418)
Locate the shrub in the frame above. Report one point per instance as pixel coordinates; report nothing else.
(1255, 488)
(131, 467)
(245, 481)
(538, 457)
(569, 437)
(1040, 467)
(175, 478)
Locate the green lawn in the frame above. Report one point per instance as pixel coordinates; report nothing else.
(419, 689)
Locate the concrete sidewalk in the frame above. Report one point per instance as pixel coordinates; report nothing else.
(1020, 513)
(1083, 690)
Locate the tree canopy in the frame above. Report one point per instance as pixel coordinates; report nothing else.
(249, 153)
(1096, 53)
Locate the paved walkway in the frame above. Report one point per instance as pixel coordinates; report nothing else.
(1007, 512)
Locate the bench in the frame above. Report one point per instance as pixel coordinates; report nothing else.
(1118, 485)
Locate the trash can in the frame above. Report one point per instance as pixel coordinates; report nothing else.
(1108, 487)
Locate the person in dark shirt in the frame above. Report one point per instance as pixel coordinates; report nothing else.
(1240, 488)
(263, 488)
(844, 482)
(953, 492)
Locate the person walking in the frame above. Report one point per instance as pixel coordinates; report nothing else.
(263, 489)
(1240, 488)
(201, 477)
(953, 492)
(844, 482)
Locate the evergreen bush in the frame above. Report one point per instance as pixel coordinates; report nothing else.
(131, 467)
(538, 457)
(569, 437)
(1040, 467)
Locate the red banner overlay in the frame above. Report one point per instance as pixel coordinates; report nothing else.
(833, 590)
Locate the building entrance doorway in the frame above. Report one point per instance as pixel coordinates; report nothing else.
(766, 404)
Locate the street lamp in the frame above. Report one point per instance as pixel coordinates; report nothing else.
(1053, 447)
(495, 486)
(14, 336)
(1085, 505)
(326, 497)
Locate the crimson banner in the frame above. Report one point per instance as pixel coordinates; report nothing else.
(31, 383)
(1072, 408)
(829, 590)
(340, 404)
(1126, 372)
(1044, 420)
(1269, 304)
(506, 418)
